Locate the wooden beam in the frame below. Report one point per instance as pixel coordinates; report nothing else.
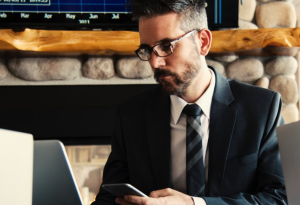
(125, 42)
(96, 42)
(245, 40)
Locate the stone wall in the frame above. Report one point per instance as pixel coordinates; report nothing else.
(267, 14)
(75, 71)
(276, 73)
(273, 72)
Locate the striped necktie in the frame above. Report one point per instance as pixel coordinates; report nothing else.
(195, 171)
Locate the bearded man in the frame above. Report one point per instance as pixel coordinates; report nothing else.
(197, 138)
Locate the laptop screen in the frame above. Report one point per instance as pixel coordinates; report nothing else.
(53, 181)
(289, 148)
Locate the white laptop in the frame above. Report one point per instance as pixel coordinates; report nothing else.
(289, 147)
(53, 180)
(16, 167)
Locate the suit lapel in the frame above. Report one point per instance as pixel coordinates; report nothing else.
(221, 128)
(159, 140)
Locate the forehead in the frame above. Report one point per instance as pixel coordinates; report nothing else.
(159, 27)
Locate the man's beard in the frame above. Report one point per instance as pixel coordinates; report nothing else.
(179, 84)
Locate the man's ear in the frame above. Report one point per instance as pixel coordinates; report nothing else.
(205, 38)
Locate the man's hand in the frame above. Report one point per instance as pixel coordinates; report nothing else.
(161, 197)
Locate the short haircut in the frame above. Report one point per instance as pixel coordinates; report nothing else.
(192, 14)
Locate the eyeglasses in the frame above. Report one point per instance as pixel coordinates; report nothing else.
(161, 50)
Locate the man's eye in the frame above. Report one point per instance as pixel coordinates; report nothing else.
(165, 48)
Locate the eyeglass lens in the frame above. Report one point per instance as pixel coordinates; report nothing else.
(161, 50)
(144, 54)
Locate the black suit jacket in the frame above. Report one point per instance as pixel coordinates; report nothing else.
(244, 162)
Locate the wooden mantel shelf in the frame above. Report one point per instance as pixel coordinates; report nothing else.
(125, 42)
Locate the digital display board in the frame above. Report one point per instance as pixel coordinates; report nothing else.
(222, 14)
(95, 14)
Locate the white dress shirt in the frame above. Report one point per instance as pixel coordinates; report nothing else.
(178, 137)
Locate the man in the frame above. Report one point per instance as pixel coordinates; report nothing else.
(234, 138)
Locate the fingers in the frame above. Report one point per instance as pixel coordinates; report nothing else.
(162, 193)
(145, 200)
(161, 197)
(170, 196)
(135, 199)
(132, 200)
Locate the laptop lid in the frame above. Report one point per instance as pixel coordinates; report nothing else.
(53, 181)
(16, 161)
(289, 147)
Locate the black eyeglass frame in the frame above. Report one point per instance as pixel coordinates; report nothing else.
(172, 43)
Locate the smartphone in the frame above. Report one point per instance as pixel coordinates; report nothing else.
(122, 189)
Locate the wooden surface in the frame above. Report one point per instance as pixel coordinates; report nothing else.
(125, 42)
(96, 42)
(247, 40)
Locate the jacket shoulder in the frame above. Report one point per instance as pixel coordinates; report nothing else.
(247, 91)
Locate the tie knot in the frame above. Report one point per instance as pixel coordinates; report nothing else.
(192, 110)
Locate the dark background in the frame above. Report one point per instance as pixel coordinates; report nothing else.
(75, 115)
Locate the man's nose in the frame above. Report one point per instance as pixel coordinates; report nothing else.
(156, 61)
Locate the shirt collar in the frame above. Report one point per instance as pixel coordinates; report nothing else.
(204, 102)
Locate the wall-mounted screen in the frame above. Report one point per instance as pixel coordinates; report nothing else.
(94, 14)
(66, 14)
(222, 14)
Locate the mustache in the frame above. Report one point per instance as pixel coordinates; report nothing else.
(161, 72)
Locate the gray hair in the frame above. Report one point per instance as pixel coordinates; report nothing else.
(192, 14)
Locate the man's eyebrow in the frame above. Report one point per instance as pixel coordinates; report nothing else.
(165, 40)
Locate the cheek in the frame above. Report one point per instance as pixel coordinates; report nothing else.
(179, 59)
(173, 62)
(179, 55)
(185, 52)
